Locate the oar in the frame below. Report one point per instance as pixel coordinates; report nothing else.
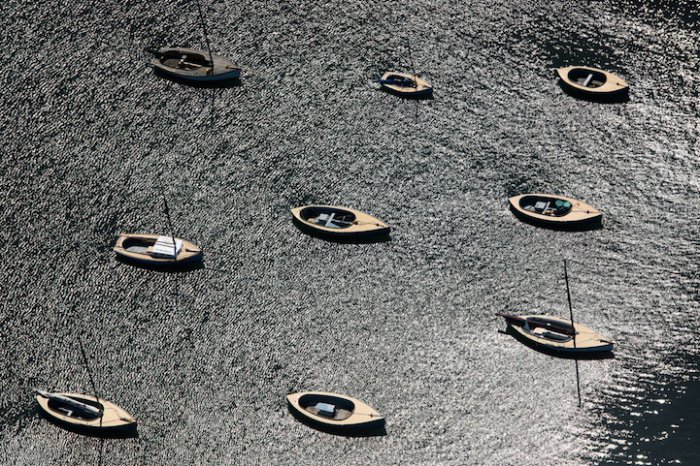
(335, 220)
(367, 414)
(208, 251)
(586, 211)
(193, 65)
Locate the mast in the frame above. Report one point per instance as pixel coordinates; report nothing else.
(206, 35)
(568, 296)
(170, 224)
(410, 57)
(87, 367)
(571, 315)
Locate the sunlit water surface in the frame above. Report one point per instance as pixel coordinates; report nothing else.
(204, 359)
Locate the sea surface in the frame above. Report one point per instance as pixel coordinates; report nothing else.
(92, 141)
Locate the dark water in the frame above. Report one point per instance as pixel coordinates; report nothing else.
(204, 359)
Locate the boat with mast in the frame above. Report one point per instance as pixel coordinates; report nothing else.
(193, 65)
(157, 250)
(87, 414)
(557, 334)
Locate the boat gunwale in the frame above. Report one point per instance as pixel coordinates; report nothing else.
(606, 344)
(373, 225)
(224, 68)
(613, 85)
(190, 252)
(422, 87)
(115, 411)
(362, 416)
(591, 216)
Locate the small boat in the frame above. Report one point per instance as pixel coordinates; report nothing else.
(404, 84)
(83, 412)
(555, 211)
(334, 412)
(194, 65)
(592, 82)
(338, 222)
(156, 250)
(555, 334)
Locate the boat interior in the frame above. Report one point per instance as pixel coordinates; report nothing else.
(328, 217)
(398, 80)
(330, 407)
(546, 206)
(548, 334)
(138, 245)
(549, 329)
(182, 61)
(74, 411)
(587, 78)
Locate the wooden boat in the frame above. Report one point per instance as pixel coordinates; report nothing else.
(194, 65)
(156, 250)
(404, 84)
(331, 411)
(555, 211)
(553, 333)
(592, 82)
(338, 222)
(83, 412)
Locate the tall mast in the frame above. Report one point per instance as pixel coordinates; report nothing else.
(571, 315)
(206, 35)
(410, 57)
(87, 367)
(170, 223)
(568, 296)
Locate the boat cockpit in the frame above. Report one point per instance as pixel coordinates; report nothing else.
(398, 80)
(587, 78)
(330, 407)
(546, 206)
(190, 61)
(328, 217)
(549, 329)
(78, 408)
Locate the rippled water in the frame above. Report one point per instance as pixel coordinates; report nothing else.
(204, 359)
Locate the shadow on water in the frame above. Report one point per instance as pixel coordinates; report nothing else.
(122, 432)
(601, 99)
(367, 239)
(594, 224)
(100, 455)
(408, 96)
(227, 84)
(345, 432)
(176, 268)
(361, 238)
(554, 353)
